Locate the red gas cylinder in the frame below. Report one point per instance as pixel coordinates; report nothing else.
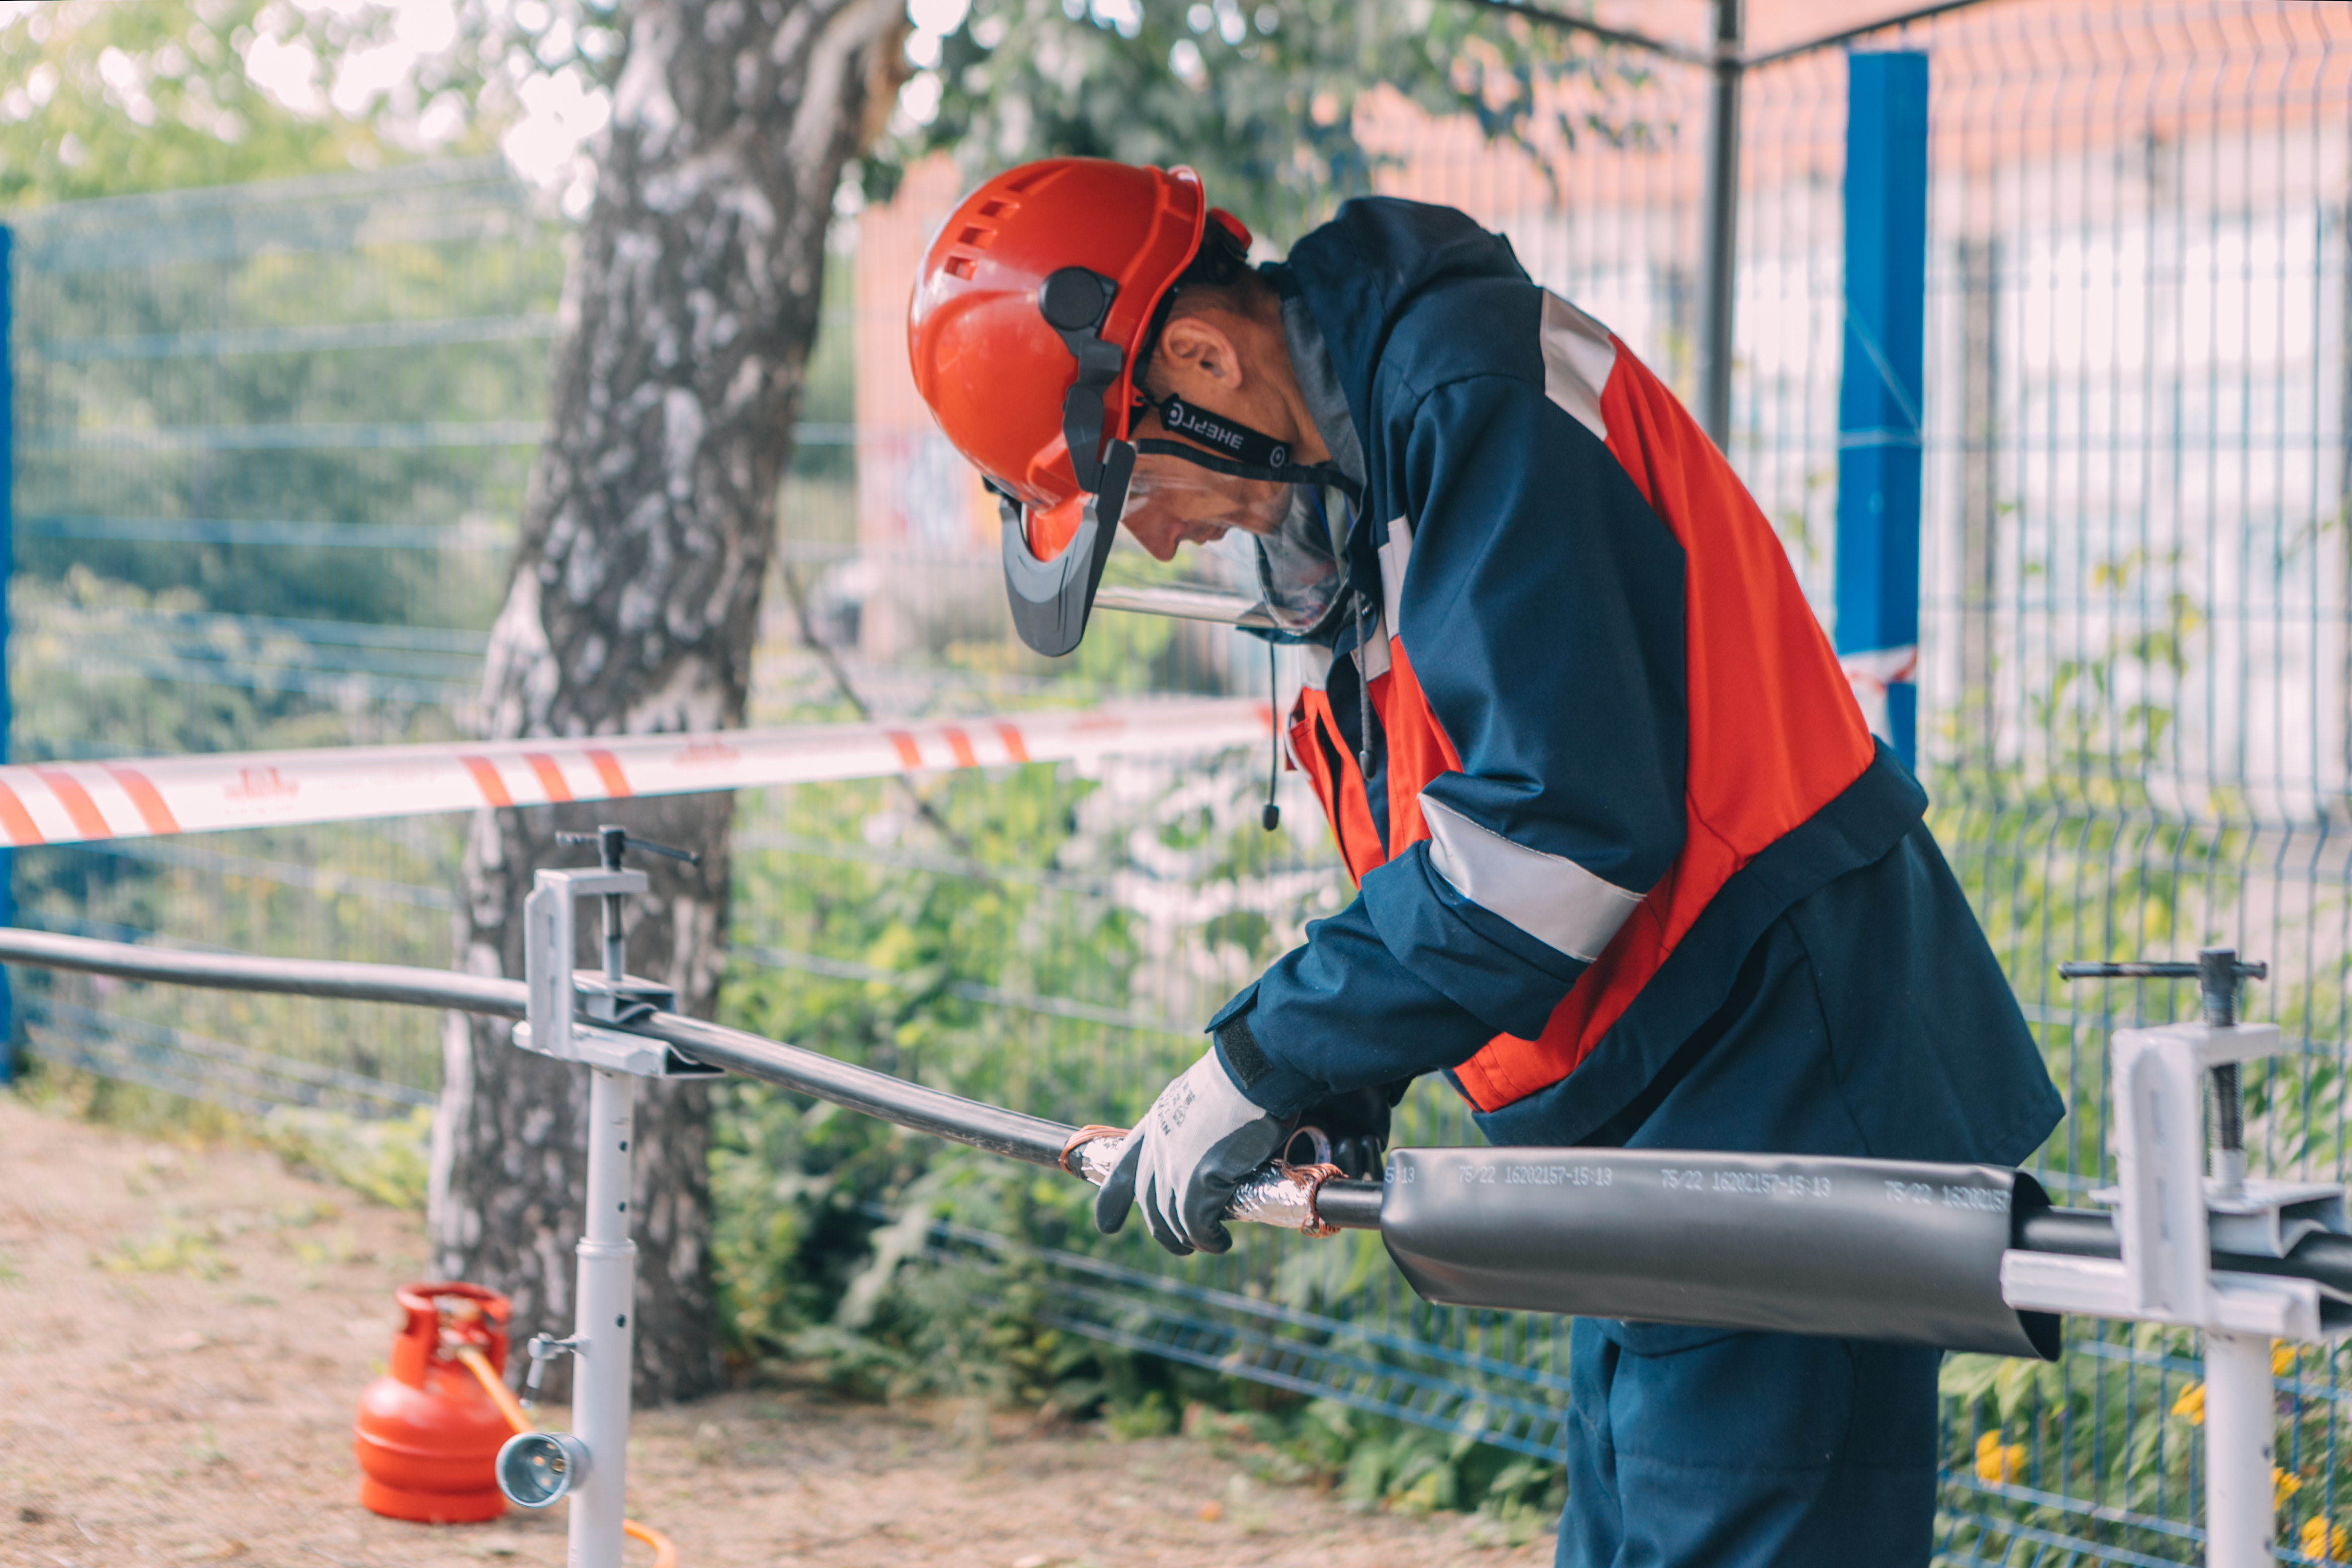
(428, 1436)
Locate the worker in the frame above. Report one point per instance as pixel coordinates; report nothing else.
(1630, 868)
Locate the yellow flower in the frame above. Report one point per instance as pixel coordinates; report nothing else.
(2330, 1543)
(1998, 1461)
(2285, 1484)
(2282, 1354)
(2190, 1405)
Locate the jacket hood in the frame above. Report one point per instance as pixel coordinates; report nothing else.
(1358, 272)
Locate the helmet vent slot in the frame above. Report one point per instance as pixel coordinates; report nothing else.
(979, 238)
(962, 266)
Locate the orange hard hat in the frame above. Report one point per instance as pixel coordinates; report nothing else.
(1033, 307)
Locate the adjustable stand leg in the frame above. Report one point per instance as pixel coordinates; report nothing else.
(2240, 1422)
(608, 1259)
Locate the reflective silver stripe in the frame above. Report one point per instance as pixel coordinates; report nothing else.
(1550, 897)
(1577, 355)
(1395, 555)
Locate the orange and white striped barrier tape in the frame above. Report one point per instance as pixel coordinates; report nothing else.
(68, 802)
(1870, 674)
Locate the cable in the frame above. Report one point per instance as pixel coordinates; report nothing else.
(1363, 701)
(1272, 816)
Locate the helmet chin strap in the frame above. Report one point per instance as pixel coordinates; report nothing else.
(1229, 438)
(1233, 447)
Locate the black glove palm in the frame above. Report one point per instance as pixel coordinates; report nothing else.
(1356, 1122)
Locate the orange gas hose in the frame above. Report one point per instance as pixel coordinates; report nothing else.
(665, 1554)
(495, 1387)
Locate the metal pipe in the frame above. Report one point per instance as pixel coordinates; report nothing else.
(1847, 34)
(2326, 1260)
(1669, 49)
(1032, 1140)
(1722, 227)
(277, 976)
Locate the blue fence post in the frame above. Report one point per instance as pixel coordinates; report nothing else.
(7, 575)
(1879, 388)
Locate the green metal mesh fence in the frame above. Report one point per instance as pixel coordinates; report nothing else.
(271, 447)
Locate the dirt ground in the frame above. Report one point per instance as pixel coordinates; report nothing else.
(184, 1333)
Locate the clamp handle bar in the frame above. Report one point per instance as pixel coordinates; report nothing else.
(2217, 971)
(2157, 970)
(2141, 970)
(613, 842)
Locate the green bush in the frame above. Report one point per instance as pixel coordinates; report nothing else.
(828, 1246)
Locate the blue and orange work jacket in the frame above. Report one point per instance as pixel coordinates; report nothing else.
(1610, 744)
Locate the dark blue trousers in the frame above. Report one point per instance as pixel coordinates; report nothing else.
(1694, 1449)
(1870, 1019)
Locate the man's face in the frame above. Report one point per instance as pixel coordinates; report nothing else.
(1171, 501)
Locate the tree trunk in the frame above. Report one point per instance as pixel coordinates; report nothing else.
(635, 600)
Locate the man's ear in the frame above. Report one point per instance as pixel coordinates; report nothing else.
(1196, 354)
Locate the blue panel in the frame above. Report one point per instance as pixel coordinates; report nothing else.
(1879, 391)
(7, 571)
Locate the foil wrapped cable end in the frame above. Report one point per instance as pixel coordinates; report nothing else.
(1275, 1193)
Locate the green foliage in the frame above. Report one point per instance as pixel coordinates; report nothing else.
(113, 95)
(1262, 98)
(1377, 1461)
(389, 1161)
(105, 98)
(848, 1247)
(2126, 1428)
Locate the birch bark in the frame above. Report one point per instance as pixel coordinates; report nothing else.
(689, 318)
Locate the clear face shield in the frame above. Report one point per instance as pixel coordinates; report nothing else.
(1265, 552)
(1268, 533)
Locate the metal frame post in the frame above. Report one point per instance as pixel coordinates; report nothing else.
(2241, 1441)
(601, 1338)
(1722, 231)
(1879, 389)
(1728, 67)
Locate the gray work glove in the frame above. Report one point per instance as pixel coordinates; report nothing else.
(1186, 1157)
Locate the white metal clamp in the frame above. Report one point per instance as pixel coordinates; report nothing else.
(2175, 1203)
